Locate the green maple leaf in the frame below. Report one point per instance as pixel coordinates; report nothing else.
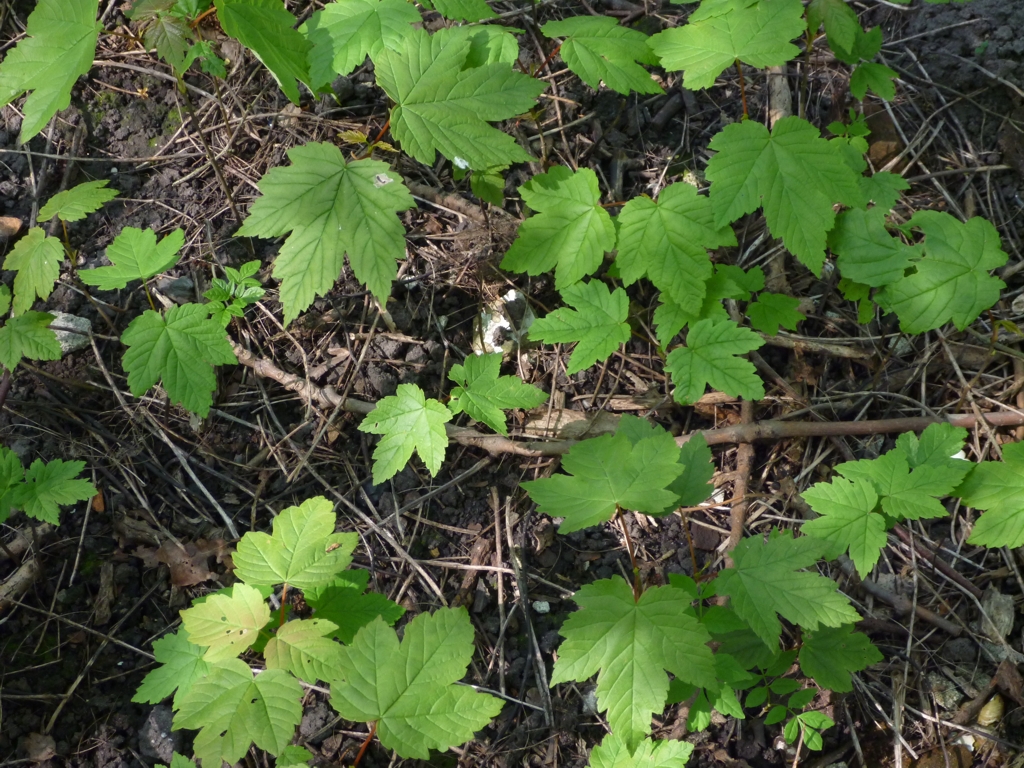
(570, 231)
(462, 10)
(598, 50)
(294, 755)
(796, 176)
(877, 77)
(630, 644)
(489, 44)
(305, 649)
(720, 33)
(938, 444)
(408, 688)
(331, 208)
(694, 486)
(831, 654)
(711, 357)
(345, 32)
(840, 20)
(607, 473)
(78, 202)
(135, 254)
(59, 46)
(766, 581)
(226, 624)
(952, 282)
(848, 520)
(868, 254)
(166, 29)
(668, 240)
(303, 551)
(268, 30)
(613, 753)
(28, 335)
(484, 394)
(440, 107)
(235, 710)
(997, 488)
(728, 282)
(49, 485)
(882, 188)
(12, 475)
(179, 761)
(37, 259)
(181, 664)
(346, 604)
(905, 493)
(598, 323)
(772, 310)
(408, 422)
(181, 349)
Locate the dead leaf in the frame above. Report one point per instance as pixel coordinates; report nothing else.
(38, 747)
(189, 563)
(98, 505)
(9, 226)
(1008, 680)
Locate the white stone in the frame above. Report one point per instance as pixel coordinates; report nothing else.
(77, 335)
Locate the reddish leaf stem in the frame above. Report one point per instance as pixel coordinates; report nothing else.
(743, 89)
(547, 60)
(366, 744)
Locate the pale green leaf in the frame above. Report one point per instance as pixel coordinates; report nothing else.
(58, 47)
(728, 282)
(905, 493)
(181, 664)
(294, 755)
(597, 323)
(181, 349)
(303, 551)
(612, 752)
(694, 486)
(12, 474)
(830, 654)
(330, 208)
(766, 581)
(796, 176)
(867, 253)
(610, 472)
(226, 625)
(409, 688)
(719, 33)
(668, 240)
(630, 644)
(78, 202)
(440, 107)
(570, 231)
(48, 485)
(598, 50)
(135, 254)
(5, 299)
(180, 761)
(772, 310)
(345, 32)
(408, 422)
(488, 44)
(235, 710)
(37, 259)
(877, 77)
(484, 394)
(305, 649)
(346, 604)
(28, 335)
(268, 30)
(952, 282)
(848, 520)
(840, 20)
(997, 487)
(711, 356)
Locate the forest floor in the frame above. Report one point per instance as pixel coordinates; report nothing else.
(76, 644)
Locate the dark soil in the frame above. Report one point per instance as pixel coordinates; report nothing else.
(74, 650)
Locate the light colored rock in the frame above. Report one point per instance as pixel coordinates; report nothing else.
(72, 332)
(945, 692)
(996, 621)
(542, 606)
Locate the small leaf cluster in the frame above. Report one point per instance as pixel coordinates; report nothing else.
(870, 496)
(169, 26)
(410, 422)
(42, 489)
(406, 687)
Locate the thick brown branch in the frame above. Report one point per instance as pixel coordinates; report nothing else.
(328, 397)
